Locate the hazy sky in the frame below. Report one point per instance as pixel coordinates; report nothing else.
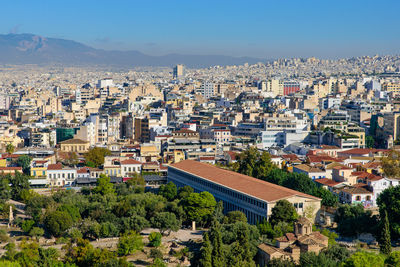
(265, 29)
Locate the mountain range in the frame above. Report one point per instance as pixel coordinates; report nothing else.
(34, 49)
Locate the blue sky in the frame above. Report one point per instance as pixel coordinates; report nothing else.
(265, 29)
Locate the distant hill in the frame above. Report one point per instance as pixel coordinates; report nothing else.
(33, 49)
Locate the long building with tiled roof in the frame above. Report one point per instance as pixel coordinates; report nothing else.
(254, 197)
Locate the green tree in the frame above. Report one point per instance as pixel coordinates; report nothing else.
(310, 259)
(218, 213)
(136, 223)
(393, 260)
(184, 192)
(199, 207)
(158, 263)
(137, 183)
(129, 243)
(27, 225)
(389, 203)
(10, 148)
(240, 253)
(331, 235)
(283, 211)
(369, 141)
(155, 254)
(328, 199)
(155, 239)
(253, 163)
(90, 228)
(57, 222)
(365, 259)
(72, 210)
(24, 161)
(96, 155)
(169, 191)
(206, 252)
(336, 253)
(166, 222)
(19, 183)
(104, 186)
(6, 263)
(36, 232)
(218, 253)
(384, 240)
(235, 216)
(280, 262)
(83, 254)
(353, 220)
(5, 190)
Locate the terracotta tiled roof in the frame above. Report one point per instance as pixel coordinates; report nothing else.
(372, 165)
(206, 158)
(322, 158)
(326, 181)
(57, 166)
(239, 182)
(270, 250)
(83, 170)
(341, 167)
(356, 190)
(130, 162)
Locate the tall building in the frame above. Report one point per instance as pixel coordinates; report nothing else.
(207, 89)
(179, 71)
(290, 87)
(142, 131)
(5, 101)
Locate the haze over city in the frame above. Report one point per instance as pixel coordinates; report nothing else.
(261, 29)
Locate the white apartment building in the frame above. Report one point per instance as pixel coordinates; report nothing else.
(284, 129)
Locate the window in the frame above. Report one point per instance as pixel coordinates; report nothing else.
(358, 198)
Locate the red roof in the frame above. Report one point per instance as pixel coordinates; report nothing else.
(40, 161)
(290, 157)
(233, 155)
(341, 167)
(57, 166)
(131, 162)
(366, 175)
(322, 158)
(206, 158)
(326, 181)
(239, 182)
(83, 170)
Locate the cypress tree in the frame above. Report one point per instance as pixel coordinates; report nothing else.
(385, 244)
(206, 253)
(218, 255)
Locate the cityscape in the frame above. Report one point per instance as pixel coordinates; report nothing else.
(197, 156)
